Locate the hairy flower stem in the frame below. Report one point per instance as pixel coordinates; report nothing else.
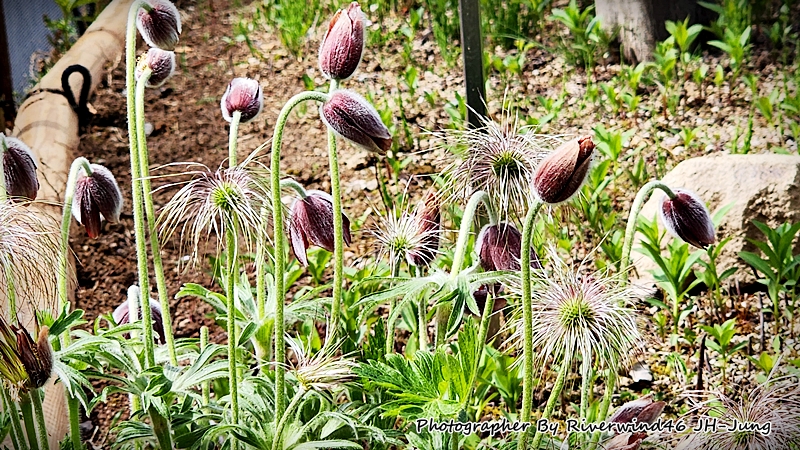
(233, 137)
(338, 236)
(155, 247)
(551, 401)
(527, 317)
(11, 294)
(280, 243)
(17, 438)
(27, 417)
(422, 324)
(483, 331)
(230, 293)
(40, 422)
(136, 181)
(261, 343)
(633, 216)
(466, 225)
(587, 380)
(66, 221)
(392, 305)
(206, 386)
(301, 392)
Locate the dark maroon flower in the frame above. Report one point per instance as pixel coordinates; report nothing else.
(243, 95)
(19, 166)
(428, 229)
(351, 116)
(311, 223)
(122, 316)
(562, 172)
(95, 195)
(27, 364)
(643, 410)
(161, 64)
(343, 44)
(499, 247)
(161, 25)
(686, 217)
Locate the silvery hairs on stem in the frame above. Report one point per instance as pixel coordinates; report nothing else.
(498, 158)
(577, 313)
(213, 202)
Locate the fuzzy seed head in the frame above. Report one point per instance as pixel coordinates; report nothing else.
(687, 218)
(213, 202)
(343, 45)
(19, 166)
(97, 196)
(352, 117)
(243, 95)
(161, 64)
(322, 372)
(161, 26)
(413, 236)
(581, 314)
(311, 223)
(561, 173)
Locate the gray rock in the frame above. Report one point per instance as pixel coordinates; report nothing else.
(760, 187)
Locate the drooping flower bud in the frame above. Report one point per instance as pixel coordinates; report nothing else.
(311, 223)
(686, 217)
(341, 49)
(161, 26)
(562, 172)
(644, 410)
(352, 117)
(19, 166)
(122, 316)
(499, 247)
(96, 195)
(161, 64)
(428, 230)
(243, 95)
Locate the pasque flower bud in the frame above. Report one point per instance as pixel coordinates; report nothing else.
(19, 166)
(562, 172)
(122, 316)
(686, 217)
(243, 95)
(160, 26)
(428, 225)
(25, 364)
(644, 410)
(311, 223)
(161, 64)
(351, 116)
(499, 247)
(96, 195)
(341, 49)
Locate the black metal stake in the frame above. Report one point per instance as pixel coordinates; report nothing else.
(472, 48)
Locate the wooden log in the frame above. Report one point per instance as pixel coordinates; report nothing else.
(47, 123)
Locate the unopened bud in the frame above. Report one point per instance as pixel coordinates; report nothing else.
(428, 225)
(686, 217)
(122, 316)
(161, 64)
(343, 44)
(499, 247)
(311, 223)
(19, 166)
(37, 357)
(96, 195)
(562, 172)
(352, 117)
(243, 95)
(161, 26)
(643, 410)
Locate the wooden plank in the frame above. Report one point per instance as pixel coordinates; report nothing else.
(472, 49)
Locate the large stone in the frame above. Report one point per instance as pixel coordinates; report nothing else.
(765, 188)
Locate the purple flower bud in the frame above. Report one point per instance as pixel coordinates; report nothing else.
(499, 247)
(562, 172)
(37, 357)
(428, 224)
(243, 95)
(161, 26)
(343, 44)
(686, 217)
(95, 195)
(19, 166)
(351, 116)
(122, 316)
(643, 410)
(161, 64)
(311, 223)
